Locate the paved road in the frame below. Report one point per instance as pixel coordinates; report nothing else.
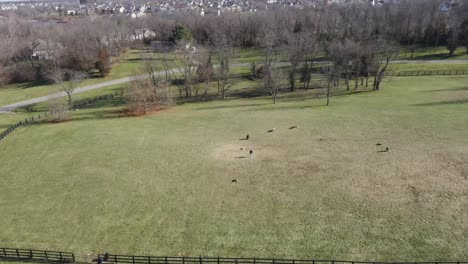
(7, 108)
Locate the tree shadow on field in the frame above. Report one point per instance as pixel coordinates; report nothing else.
(33, 84)
(229, 106)
(434, 56)
(456, 89)
(99, 115)
(450, 102)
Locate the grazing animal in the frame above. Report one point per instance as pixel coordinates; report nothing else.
(378, 144)
(242, 149)
(234, 181)
(247, 137)
(251, 152)
(271, 130)
(293, 127)
(387, 149)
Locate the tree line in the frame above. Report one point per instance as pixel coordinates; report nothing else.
(357, 42)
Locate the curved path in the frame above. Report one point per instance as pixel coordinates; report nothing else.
(7, 108)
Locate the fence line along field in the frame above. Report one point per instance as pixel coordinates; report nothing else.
(380, 173)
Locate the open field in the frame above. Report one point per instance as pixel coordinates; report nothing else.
(162, 184)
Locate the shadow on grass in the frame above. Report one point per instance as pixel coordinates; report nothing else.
(99, 115)
(439, 56)
(33, 84)
(450, 102)
(451, 89)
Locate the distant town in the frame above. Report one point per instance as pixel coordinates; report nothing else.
(143, 8)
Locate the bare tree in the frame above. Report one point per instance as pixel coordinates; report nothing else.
(464, 34)
(310, 54)
(151, 66)
(68, 81)
(278, 82)
(145, 96)
(271, 50)
(296, 49)
(205, 71)
(223, 52)
(383, 51)
(186, 66)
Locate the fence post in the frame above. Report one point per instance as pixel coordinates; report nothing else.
(47, 257)
(183, 260)
(133, 259)
(30, 254)
(4, 252)
(200, 260)
(149, 260)
(17, 253)
(165, 260)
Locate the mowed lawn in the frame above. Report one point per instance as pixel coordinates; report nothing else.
(162, 184)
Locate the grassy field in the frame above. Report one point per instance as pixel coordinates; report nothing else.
(162, 184)
(433, 53)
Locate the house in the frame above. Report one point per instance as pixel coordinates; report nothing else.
(45, 50)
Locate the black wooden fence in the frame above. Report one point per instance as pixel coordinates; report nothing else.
(45, 115)
(110, 258)
(37, 256)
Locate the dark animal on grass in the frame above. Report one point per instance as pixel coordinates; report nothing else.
(378, 144)
(293, 127)
(387, 149)
(271, 130)
(251, 152)
(234, 181)
(247, 137)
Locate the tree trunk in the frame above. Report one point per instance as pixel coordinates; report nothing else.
(347, 79)
(292, 78)
(328, 90)
(356, 84)
(69, 99)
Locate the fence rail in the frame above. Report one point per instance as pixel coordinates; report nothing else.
(110, 258)
(42, 116)
(31, 255)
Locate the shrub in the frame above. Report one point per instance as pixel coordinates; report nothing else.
(21, 72)
(60, 112)
(145, 97)
(260, 73)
